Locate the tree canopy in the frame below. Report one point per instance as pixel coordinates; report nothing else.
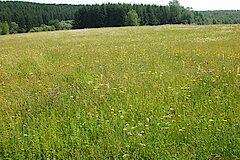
(131, 19)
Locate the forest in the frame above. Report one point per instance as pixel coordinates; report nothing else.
(21, 17)
(222, 16)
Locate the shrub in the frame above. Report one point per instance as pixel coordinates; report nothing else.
(5, 28)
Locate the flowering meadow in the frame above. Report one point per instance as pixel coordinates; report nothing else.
(150, 92)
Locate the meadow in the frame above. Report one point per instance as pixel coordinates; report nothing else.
(150, 92)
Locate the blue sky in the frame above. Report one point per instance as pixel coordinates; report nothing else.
(195, 4)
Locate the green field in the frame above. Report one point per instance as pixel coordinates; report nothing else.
(151, 92)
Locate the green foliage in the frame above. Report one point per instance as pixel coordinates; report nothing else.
(187, 17)
(22, 30)
(66, 25)
(48, 28)
(28, 15)
(131, 19)
(222, 16)
(63, 25)
(55, 23)
(0, 28)
(5, 28)
(175, 12)
(14, 28)
(112, 15)
(43, 27)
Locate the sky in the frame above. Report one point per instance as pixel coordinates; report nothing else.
(195, 4)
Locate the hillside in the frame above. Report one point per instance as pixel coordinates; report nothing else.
(146, 92)
(21, 17)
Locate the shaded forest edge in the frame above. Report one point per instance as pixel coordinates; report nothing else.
(21, 17)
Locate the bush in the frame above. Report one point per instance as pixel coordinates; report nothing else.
(43, 27)
(0, 28)
(14, 28)
(65, 25)
(22, 30)
(55, 23)
(131, 19)
(5, 28)
(36, 29)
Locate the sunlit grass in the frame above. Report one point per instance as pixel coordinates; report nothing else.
(161, 92)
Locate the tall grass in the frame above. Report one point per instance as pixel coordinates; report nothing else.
(162, 92)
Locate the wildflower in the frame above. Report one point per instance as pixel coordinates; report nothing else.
(129, 133)
(125, 155)
(211, 120)
(90, 82)
(147, 119)
(121, 117)
(142, 132)
(224, 120)
(164, 128)
(25, 135)
(180, 130)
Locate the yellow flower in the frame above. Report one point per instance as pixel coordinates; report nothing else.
(130, 134)
(211, 120)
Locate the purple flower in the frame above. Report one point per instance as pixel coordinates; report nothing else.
(142, 132)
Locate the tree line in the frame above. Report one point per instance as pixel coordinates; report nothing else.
(222, 16)
(113, 15)
(20, 17)
(28, 15)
